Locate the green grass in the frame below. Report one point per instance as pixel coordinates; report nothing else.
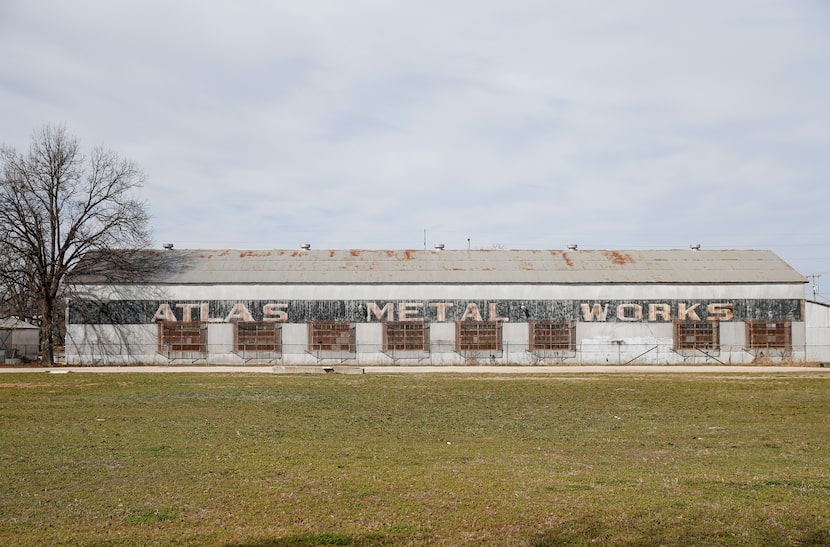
(273, 460)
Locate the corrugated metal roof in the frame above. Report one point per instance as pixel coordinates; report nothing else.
(225, 266)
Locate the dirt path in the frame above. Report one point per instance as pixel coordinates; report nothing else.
(583, 369)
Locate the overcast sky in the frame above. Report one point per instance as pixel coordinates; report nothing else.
(646, 124)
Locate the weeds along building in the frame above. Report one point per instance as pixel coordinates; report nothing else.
(440, 307)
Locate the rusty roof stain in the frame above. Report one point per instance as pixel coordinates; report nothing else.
(246, 254)
(618, 258)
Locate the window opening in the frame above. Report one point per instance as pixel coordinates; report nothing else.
(478, 335)
(772, 334)
(180, 337)
(336, 336)
(257, 336)
(405, 336)
(696, 335)
(552, 335)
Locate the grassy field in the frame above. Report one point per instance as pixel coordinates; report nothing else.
(259, 460)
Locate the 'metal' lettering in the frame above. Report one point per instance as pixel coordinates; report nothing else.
(494, 315)
(441, 310)
(408, 310)
(471, 313)
(388, 310)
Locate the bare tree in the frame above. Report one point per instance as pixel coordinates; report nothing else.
(56, 205)
(16, 296)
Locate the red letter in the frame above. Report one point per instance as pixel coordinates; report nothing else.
(494, 315)
(164, 313)
(441, 308)
(638, 312)
(274, 312)
(388, 309)
(408, 309)
(596, 311)
(683, 312)
(187, 309)
(720, 311)
(471, 313)
(663, 310)
(240, 312)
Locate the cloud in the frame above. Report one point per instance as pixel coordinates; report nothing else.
(528, 124)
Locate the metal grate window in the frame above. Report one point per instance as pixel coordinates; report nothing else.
(190, 336)
(696, 335)
(772, 334)
(331, 336)
(258, 336)
(405, 336)
(477, 335)
(552, 335)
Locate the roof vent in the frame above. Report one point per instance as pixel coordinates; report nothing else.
(306, 246)
(572, 246)
(168, 246)
(439, 246)
(695, 246)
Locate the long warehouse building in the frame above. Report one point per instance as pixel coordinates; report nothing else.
(441, 307)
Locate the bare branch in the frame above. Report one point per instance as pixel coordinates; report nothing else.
(56, 206)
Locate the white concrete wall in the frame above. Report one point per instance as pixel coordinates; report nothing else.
(733, 342)
(621, 343)
(817, 332)
(442, 345)
(113, 344)
(597, 343)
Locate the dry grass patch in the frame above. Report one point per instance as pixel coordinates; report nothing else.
(380, 460)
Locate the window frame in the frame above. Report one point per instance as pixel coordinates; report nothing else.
(405, 336)
(266, 338)
(491, 330)
(705, 335)
(171, 336)
(333, 342)
(758, 338)
(551, 335)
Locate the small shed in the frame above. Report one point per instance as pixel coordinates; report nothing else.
(19, 340)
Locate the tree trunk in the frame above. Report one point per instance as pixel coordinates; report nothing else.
(47, 335)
